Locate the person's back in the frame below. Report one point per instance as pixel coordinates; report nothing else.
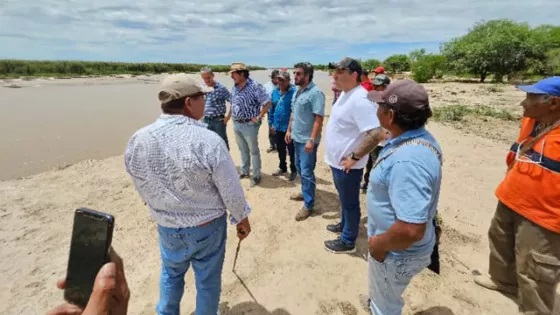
(172, 161)
(185, 175)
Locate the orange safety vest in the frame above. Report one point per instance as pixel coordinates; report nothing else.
(532, 185)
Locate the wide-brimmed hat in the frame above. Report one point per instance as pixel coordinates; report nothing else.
(237, 66)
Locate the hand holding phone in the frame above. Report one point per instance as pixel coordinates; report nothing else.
(89, 251)
(110, 292)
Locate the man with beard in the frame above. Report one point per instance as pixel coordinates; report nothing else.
(306, 122)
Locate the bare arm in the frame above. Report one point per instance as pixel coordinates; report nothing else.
(400, 236)
(317, 126)
(372, 139)
(264, 109)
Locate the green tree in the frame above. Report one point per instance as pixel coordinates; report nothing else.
(426, 66)
(397, 63)
(498, 47)
(371, 64)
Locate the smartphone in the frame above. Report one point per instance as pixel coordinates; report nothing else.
(89, 251)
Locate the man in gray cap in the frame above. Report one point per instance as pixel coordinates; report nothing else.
(402, 203)
(185, 175)
(269, 87)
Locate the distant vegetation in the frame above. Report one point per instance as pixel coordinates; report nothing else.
(31, 68)
(498, 49)
(457, 113)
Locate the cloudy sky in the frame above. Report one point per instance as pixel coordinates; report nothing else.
(263, 32)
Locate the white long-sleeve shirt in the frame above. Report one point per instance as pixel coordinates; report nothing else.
(184, 173)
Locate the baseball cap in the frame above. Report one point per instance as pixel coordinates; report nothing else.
(548, 86)
(176, 86)
(284, 75)
(404, 95)
(274, 73)
(379, 70)
(381, 79)
(347, 63)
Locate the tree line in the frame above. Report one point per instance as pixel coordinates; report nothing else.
(496, 48)
(34, 68)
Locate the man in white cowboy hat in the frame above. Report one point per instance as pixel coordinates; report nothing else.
(185, 175)
(249, 104)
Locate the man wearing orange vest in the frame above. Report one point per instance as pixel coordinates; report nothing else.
(524, 234)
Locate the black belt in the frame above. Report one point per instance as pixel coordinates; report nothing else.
(242, 121)
(215, 117)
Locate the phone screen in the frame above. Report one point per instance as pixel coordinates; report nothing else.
(91, 237)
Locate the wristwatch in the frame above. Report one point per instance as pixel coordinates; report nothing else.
(354, 157)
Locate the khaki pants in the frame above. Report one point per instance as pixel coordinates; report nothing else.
(525, 255)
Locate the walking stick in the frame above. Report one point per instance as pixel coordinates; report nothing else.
(236, 254)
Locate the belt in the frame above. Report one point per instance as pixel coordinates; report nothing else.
(215, 117)
(242, 121)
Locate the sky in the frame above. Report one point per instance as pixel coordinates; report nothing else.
(271, 33)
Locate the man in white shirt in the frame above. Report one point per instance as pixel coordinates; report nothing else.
(353, 131)
(185, 175)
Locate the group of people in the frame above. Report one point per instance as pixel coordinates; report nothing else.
(183, 171)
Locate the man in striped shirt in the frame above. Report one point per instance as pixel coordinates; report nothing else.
(185, 175)
(249, 104)
(215, 111)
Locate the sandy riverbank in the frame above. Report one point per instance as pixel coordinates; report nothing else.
(283, 263)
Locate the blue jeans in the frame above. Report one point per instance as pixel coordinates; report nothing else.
(205, 248)
(217, 125)
(246, 136)
(389, 279)
(305, 165)
(348, 187)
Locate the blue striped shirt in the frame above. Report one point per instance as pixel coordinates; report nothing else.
(247, 102)
(216, 101)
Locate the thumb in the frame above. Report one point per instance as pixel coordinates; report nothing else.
(103, 289)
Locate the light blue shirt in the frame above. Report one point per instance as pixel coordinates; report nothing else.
(405, 186)
(305, 105)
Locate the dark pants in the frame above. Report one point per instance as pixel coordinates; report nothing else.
(217, 125)
(348, 187)
(371, 159)
(281, 147)
(271, 136)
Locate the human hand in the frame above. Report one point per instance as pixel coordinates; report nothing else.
(288, 137)
(110, 293)
(309, 146)
(256, 120)
(376, 251)
(243, 229)
(272, 130)
(347, 163)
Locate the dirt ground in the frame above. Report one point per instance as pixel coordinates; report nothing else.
(282, 268)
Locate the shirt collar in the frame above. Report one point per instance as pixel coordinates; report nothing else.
(249, 83)
(180, 119)
(409, 134)
(311, 84)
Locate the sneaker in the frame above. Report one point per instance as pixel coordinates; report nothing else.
(338, 247)
(488, 283)
(365, 303)
(278, 172)
(303, 214)
(242, 176)
(255, 181)
(297, 197)
(335, 228)
(293, 177)
(270, 149)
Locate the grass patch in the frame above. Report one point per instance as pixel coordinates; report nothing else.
(457, 113)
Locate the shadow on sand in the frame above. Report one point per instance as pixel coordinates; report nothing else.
(436, 310)
(245, 308)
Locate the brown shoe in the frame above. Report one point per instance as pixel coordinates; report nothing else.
(297, 197)
(303, 214)
(488, 283)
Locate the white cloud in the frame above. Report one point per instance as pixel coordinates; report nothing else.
(263, 32)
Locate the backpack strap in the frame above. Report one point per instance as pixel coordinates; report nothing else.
(415, 141)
